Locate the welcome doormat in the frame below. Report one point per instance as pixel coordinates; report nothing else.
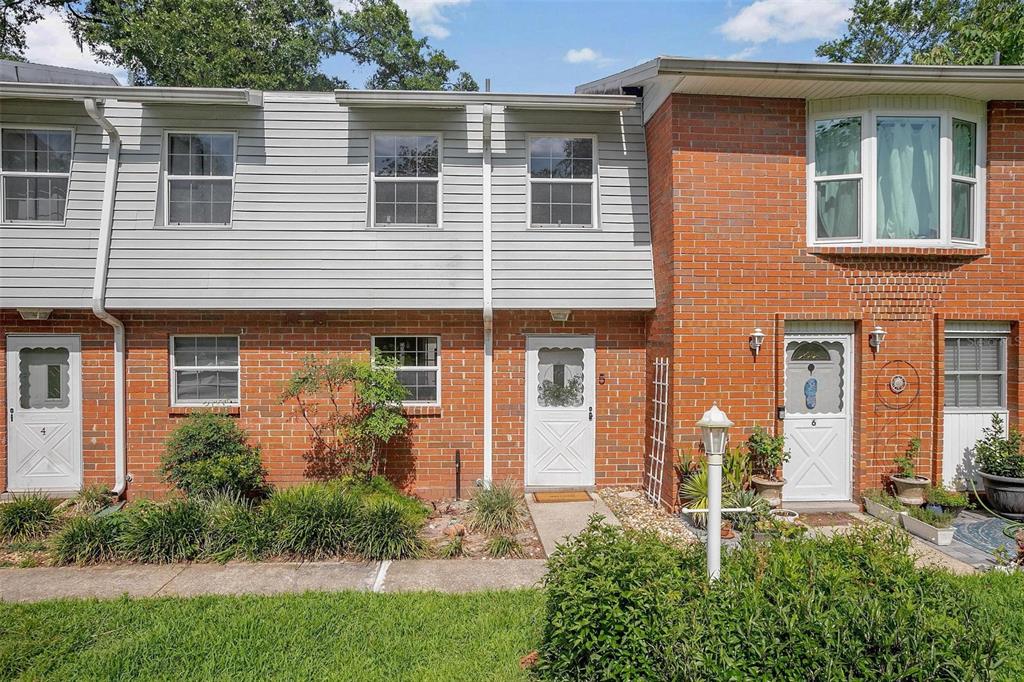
(562, 496)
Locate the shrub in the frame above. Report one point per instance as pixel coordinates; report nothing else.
(92, 498)
(312, 520)
(1000, 455)
(943, 519)
(906, 463)
(87, 539)
(237, 530)
(27, 516)
(208, 454)
(945, 498)
(767, 452)
(499, 508)
(384, 529)
(163, 533)
(379, 487)
(504, 547)
(885, 499)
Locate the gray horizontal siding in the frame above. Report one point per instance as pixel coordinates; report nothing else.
(299, 236)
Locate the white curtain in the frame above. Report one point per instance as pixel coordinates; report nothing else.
(908, 177)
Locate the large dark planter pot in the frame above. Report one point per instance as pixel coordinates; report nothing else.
(1005, 494)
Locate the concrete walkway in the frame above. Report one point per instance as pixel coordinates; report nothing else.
(556, 521)
(188, 580)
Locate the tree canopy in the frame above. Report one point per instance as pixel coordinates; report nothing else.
(931, 32)
(15, 17)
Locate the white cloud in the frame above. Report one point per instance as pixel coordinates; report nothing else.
(787, 21)
(428, 16)
(582, 55)
(49, 41)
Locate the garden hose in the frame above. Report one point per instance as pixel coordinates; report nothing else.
(1011, 528)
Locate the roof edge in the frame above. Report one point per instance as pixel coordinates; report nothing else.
(448, 99)
(141, 94)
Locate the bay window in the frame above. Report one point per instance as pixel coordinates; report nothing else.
(899, 178)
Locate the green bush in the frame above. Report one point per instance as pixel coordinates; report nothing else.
(498, 508)
(885, 499)
(1000, 455)
(209, 454)
(849, 607)
(504, 547)
(384, 529)
(236, 529)
(27, 516)
(87, 540)
(163, 533)
(312, 520)
(946, 498)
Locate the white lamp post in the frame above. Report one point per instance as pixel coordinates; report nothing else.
(714, 427)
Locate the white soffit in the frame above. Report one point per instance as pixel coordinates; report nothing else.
(448, 99)
(141, 94)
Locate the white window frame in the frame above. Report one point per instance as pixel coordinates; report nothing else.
(23, 174)
(1003, 338)
(595, 219)
(175, 369)
(372, 207)
(436, 368)
(869, 177)
(167, 177)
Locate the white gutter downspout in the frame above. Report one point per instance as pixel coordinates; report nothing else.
(99, 288)
(488, 304)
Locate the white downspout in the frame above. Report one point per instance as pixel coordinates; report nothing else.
(488, 303)
(99, 288)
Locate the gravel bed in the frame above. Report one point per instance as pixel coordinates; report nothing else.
(636, 513)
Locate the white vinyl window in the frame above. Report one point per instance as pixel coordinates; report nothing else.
(975, 372)
(895, 178)
(562, 181)
(200, 178)
(419, 365)
(35, 169)
(406, 180)
(204, 370)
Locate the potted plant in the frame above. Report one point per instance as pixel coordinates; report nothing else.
(909, 486)
(767, 455)
(935, 527)
(942, 499)
(1000, 461)
(884, 506)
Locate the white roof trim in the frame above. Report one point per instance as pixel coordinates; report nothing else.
(447, 99)
(141, 94)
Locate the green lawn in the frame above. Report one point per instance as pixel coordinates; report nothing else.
(344, 636)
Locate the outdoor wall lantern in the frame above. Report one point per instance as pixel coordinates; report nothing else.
(756, 339)
(714, 428)
(875, 338)
(560, 315)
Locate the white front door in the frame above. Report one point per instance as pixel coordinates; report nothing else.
(44, 413)
(560, 411)
(819, 401)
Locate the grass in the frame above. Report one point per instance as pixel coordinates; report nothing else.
(343, 636)
(499, 509)
(27, 516)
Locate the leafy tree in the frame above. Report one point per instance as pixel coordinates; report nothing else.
(931, 32)
(15, 17)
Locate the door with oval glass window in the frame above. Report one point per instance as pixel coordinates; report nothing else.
(44, 413)
(819, 398)
(560, 411)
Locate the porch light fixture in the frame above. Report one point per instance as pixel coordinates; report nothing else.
(714, 428)
(560, 315)
(756, 339)
(34, 313)
(875, 338)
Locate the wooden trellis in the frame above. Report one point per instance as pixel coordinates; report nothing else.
(659, 423)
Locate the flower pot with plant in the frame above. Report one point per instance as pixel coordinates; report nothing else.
(942, 499)
(884, 506)
(935, 527)
(767, 455)
(1000, 461)
(910, 487)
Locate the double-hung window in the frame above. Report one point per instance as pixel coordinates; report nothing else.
(418, 363)
(406, 180)
(562, 182)
(35, 165)
(975, 372)
(204, 370)
(899, 178)
(200, 178)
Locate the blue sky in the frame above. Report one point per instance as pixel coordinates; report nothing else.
(553, 45)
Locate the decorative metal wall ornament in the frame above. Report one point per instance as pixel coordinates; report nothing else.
(898, 384)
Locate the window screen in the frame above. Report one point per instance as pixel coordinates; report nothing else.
(975, 372)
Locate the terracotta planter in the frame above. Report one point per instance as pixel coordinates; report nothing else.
(910, 491)
(770, 490)
(1005, 494)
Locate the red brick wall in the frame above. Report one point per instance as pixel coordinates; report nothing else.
(740, 260)
(272, 347)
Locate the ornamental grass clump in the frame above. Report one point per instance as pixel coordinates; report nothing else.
(312, 520)
(87, 540)
(498, 509)
(385, 529)
(27, 516)
(504, 547)
(237, 529)
(163, 533)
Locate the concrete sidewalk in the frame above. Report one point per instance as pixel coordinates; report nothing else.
(558, 521)
(108, 582)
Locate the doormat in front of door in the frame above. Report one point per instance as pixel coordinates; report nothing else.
(562, 496)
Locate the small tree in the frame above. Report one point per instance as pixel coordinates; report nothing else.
(353, 408)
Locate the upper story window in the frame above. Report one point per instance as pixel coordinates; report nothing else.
(200, 178)
(562, 182)
(406, 179)
(903, 178)
(35, 165)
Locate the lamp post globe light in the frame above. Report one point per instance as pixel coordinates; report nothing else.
(714, 428)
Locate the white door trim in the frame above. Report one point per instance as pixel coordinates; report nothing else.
(73, 342)
(588, 344)
(849, 408)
